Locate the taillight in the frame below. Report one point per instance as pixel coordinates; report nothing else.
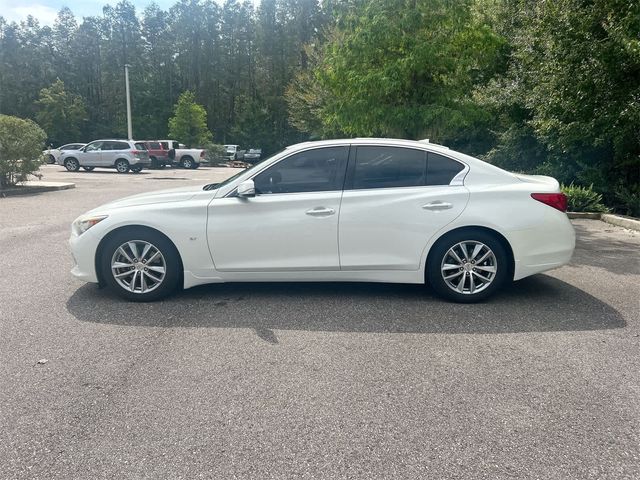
(136, 152)
(202, 154)
(555, 200)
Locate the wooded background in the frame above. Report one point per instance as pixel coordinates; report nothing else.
(548, 87)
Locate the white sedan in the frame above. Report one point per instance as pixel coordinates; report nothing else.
(362, 210)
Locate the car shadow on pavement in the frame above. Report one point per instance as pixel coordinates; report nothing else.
(537, 304)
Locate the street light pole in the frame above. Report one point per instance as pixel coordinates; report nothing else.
(126, 81)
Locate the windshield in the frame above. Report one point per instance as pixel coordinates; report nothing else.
(211, 186)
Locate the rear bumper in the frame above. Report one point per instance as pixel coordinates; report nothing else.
(545, 247)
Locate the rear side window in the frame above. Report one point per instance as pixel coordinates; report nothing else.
(387, 167)
(155, 145)
(318, 170)
(165, 145)
(140, 146)
(115, 146)
(441, 170)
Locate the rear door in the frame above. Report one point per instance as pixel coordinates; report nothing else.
(395, 200)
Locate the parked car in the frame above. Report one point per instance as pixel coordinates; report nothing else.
(231, 152)
(123, 155)
(158, 155)
(406, 212)
(252, 155)
(183, 157)
(53, 154)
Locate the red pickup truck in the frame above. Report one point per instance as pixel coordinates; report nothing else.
(158, 155)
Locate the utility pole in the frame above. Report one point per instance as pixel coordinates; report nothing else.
(126, 81)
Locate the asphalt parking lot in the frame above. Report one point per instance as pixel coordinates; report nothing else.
(310, 380)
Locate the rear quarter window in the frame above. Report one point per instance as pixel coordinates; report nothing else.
(140, 146)
(441, 170)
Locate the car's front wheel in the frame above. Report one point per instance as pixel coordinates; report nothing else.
(72, 164)
(467, 266)
(140, 265)
(122, 166)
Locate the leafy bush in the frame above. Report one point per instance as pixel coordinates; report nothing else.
(21, 144)
(629, 199)
(214, 153)
(583, 199)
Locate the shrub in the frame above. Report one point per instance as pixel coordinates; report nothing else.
(583, 199)
(214, 153)
(629, 199)
(21, 145)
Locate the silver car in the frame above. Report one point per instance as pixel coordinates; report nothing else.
(123, 155)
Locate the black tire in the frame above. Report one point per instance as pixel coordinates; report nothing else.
(88, 169)
(154, 162)
(195, 165)
(51, 159)
(162, 165)
(187, 162)
(72, 164)
(122, 165)
(439, 253)
(169, 253)
(136, 168)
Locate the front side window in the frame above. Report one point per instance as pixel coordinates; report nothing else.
(94, 147)
(318, 170)
(387, 167)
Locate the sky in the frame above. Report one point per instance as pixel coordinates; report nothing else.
(46, 10)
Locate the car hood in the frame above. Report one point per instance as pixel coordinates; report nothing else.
(159, 196)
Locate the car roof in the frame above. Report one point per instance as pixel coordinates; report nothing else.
(113, 140)
(374, 141)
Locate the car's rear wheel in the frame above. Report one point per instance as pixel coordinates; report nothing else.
(72, 164)
(140, 265)
(187, 162)
(88, 169)
(122, 166)
(51, 159)
(467, 266)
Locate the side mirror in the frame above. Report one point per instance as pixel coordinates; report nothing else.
(247, 189)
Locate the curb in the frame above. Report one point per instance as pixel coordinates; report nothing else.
(618, 220)
(587, 215)
(31, 188)
(626, 222)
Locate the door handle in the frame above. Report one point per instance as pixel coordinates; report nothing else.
(437, 206)
(320, 212)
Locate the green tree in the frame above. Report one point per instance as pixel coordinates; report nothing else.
(189, 123)
(61, 113)
(568, 103)
(405, 69)
(21, 144)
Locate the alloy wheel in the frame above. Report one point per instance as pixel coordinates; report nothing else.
(469, 267)
(138, 266)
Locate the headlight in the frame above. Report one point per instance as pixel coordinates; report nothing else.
(83, 224)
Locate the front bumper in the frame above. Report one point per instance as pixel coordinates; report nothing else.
(83, 251)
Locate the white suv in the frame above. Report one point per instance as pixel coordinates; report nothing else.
(123, 155)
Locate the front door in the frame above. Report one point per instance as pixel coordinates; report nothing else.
(92, 155)
(395, 200)
(291, 223)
